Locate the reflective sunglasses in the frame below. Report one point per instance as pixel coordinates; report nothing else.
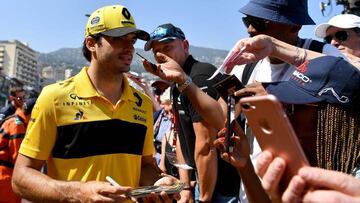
(258, 24)
(339, 35)
(20, 98)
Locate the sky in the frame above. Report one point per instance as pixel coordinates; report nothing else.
(49, 25)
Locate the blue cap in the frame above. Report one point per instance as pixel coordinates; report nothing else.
(164, 33)
(292, 12)
(324, 79)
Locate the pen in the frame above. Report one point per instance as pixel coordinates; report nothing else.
(112, 181)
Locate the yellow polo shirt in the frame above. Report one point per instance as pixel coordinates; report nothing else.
(83, 137)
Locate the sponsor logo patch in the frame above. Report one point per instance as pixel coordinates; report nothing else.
(95, 20)
(139, 118)
(302, 78)
(79, 116)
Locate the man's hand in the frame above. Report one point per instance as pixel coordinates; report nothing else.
(167, 69)
(163, 197)
(95, 191)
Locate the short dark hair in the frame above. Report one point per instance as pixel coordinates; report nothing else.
(14, 89)
(85, 50)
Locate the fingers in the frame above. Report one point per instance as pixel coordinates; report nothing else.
(329, 196)
(330, 179)
(294, 191)
(272, 176)
(255, 88)
(151, 68)
(163, 197)
(263, 162)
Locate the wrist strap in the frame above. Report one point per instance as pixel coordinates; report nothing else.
(183, 86)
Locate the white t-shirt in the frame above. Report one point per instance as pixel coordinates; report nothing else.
(264, 71)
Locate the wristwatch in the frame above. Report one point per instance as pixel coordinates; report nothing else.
(183, 86)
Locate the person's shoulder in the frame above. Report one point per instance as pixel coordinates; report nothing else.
(58, 88)
(205, 66)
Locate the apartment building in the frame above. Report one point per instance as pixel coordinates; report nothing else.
(18, 60)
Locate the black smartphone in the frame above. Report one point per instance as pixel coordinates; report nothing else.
(228, 86)
(153, 66)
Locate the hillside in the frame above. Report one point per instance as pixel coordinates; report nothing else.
(73, 58)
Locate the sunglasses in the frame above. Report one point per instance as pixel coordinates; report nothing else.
(258, 24)
(340, 35)
(20, 98)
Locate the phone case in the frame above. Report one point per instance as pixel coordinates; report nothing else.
(145, 191)
(228, 86)
(273, 131)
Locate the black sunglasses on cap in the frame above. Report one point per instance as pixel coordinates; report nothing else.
(339, 35)
(258, 24)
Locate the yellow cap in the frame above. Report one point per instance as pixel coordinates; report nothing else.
(114, 21)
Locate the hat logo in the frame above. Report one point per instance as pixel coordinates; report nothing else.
(303, 67)
(95, 20)
(126, 13)
(300, 76)
(342, 99)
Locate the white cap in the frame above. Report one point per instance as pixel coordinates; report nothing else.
(345, 21)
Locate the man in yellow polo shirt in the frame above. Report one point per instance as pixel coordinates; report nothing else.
(92, 125)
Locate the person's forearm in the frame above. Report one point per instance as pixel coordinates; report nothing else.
(209, 109)
(254, 190)
(32, 185)
(163, 153)
(292, 54)
(184, 174)
(207, 174)
(206, 159)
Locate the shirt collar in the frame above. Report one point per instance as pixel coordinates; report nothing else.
(188, 64)
(85, 89)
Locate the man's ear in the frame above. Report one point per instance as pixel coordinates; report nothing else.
(90, 43)
(186, 45)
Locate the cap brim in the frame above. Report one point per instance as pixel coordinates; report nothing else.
(148, 45)
(252, 9)
(320, 30)
(118, 32)
(289, 93)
